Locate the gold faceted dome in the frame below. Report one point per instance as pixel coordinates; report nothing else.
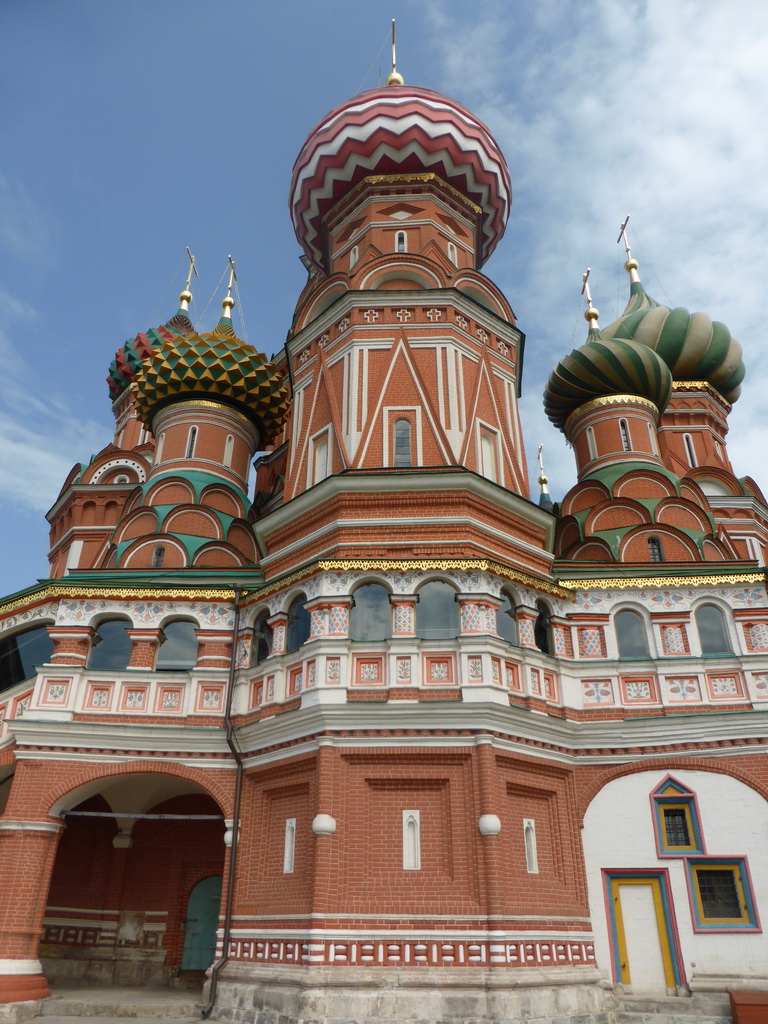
(215, 366)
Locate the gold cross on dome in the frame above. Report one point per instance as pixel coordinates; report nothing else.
(623, 236)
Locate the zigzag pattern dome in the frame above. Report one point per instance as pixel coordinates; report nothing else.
(216, 366)
(398, 129)
(605, 367)
(122, 369)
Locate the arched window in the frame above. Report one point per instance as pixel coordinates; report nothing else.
(591, 447)
(21, 653)
(506, 619)
(157, 557)
(400, 242)
(488, 454)
(713, 634)
(229, 446)
(655, 552)
(626, 441)
(353, 255)
(453, 255)
(411, 840)
(542, 628)
(299, 623)
(630, 635)
(122, 479)
(142, 434)
(437, 613)
(178, 651)
(191, 441)
(371, 615)
(690, 451)
(289, 848)
(531, 854)
(402, 434)
(652, 439)
(111, 647)
(321, 459)
(159, 449)
(261, 641)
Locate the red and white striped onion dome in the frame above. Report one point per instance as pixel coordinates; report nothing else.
(392, 130)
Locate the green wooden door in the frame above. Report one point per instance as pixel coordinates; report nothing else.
(200, 925)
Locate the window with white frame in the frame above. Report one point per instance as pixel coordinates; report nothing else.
(690, 451)
(626, 440)
(453, 255)
(591, 446)
(411, 840)
(488, 455)
(402, 453)
(353, 256)
(531, 854)
(289, 848)
(321, 459)
(401, 242)
(229, 445)
(191, 442)
(713, 632)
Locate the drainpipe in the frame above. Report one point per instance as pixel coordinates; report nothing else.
(238, 759)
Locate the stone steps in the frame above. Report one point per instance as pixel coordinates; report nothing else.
(139, 1004)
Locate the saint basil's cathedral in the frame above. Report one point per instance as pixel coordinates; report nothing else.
(384, 734)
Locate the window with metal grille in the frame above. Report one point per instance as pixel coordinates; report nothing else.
(676, 826)
(626, 442)
(402, 453)
(654, 549)
(718, 892)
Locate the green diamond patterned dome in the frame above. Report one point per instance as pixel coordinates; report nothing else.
(216, 366)
(605, 367)
(693, 346)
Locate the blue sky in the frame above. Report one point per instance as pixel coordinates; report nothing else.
(129, 131)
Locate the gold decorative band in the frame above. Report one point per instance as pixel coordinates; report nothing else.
(700, 385)
(624, 583)
(605, 400)
(204, 403)
(415, 177)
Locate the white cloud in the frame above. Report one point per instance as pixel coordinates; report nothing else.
(24, 229)
(653, 109)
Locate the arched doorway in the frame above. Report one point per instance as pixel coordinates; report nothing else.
(200, 924)
(133, 849)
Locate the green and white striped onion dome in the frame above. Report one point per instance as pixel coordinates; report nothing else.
(693, 346)
(603, 367)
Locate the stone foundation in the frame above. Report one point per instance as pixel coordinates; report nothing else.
(276, 995)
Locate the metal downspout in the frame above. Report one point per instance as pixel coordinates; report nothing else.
(237, 756)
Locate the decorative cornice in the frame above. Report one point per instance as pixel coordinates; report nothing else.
(198, 403)
(408, 565)
(119, 593)
(623, 583)
(419, 177)
(605, 400)
(701, 385)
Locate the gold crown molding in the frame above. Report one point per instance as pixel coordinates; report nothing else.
(205, 404)
(606, 400)
(58, 591)
(624, 583)
(421, 177)
(700, 385)
(423, 564)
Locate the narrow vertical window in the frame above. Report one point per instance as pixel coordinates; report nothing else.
(159, 449)
(402, 452)
(713, 633)
(191, 441)
(400, 242)
(531, 855)
(626, 441)
(488, 456)
(453, 254)
(542, 628)
(654, 550)
(718, 449)
(158, 556)
(690, 451)
(142, 434)
(229, 445)
(321, 459)
(290, 845)
(652, 439)
(591, 446)
(411, 840)
(353, 255)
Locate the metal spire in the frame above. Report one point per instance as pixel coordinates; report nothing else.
(591, 313)
(631, 265)
(185, 297)
(394, 78)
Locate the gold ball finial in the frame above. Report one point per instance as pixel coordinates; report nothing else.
(591, 314)
(395, 78)
(185, 296)
(543, 481)
(227, 303)
(631, 264)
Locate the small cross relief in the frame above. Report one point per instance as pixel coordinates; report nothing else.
(343, 324)
(403, 315)
(482, 335)
(434, 314)
(462, 322)
(371, 315)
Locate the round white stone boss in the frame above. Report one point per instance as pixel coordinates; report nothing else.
(323, 825)
(489, 824)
